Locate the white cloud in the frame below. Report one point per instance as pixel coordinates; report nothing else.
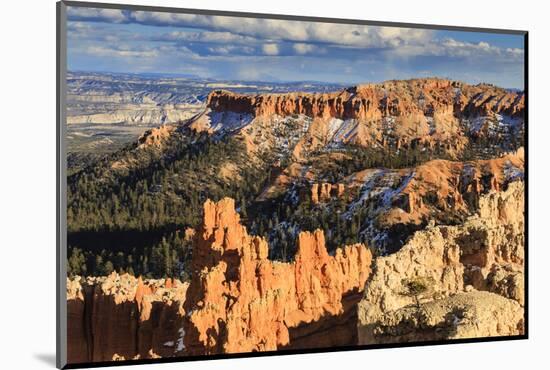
(302, 48)
(270, 49)
(271, 29)
(230, 49)
(97, 15)
(124, 52)
(281, 37)
(458, 49)
(205, 36)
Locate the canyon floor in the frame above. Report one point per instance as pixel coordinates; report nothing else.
(268, 221)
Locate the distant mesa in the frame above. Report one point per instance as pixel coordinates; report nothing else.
(435, 114)
(374, 101)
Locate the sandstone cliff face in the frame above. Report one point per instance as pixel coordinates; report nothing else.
(485, 253)
(121, 317)
(396, 203)
(325, 191)
(373, 101)
(239, 301)
(438, 188)
(433, 114)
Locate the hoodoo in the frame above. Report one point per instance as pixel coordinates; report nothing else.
(428, 172)
(240, 301)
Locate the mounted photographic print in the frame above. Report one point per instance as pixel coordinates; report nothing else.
(236, 184)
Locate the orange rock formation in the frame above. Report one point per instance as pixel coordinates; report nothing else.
(240, 301)
(121, 317)
(156, 136)
(373, 101)
(440, 187)
(325, 191)
(409, 114)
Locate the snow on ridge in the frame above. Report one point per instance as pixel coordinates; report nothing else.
(367, 190)
(504, 120)
(179, 344)
(229, 121)
(334, 125)
(287, 131)
(342, 131)
(390, 193)
(500, 121)
(512, 173)
(379, 186)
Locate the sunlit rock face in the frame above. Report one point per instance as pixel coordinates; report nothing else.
(371, 101)
(451, 267)
(240, 301)
(434, 114)
(453, 228)
(122, 317)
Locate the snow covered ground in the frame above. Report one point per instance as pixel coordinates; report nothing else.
(226, 122)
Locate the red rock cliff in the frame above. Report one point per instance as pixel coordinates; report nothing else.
(121, 317)
(373, 101)
(240, 301)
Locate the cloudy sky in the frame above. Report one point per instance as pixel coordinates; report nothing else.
(234, 48)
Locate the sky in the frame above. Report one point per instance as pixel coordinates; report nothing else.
(252, 49)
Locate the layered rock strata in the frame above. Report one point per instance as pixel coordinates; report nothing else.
(373, 101)
(439, 188)
(431, 114)
(238, 300)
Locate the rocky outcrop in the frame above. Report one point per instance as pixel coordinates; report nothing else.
(439, 190)
(486, 253)
(446, 282)
(240, 301)
(373, 101)
(155, 137)
(122, 317)
(324, 191)
(464, 315)
(421, 114)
